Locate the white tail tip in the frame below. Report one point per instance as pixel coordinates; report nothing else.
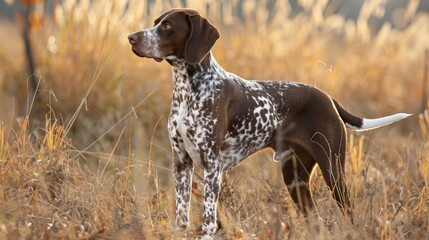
(369, 124)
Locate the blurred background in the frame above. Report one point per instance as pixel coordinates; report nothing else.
(69, 63)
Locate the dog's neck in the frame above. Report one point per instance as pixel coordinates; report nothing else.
(188, 78)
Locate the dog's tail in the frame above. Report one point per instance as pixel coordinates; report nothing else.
(363, 124)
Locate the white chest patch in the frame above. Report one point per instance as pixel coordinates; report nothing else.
(186, 123)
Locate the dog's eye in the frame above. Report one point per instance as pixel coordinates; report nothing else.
(166, 26)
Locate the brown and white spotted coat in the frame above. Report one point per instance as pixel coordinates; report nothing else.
(217, 119)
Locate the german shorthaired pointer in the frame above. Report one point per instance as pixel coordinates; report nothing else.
(217, 119)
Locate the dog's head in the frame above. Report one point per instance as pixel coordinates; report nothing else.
(177, 34)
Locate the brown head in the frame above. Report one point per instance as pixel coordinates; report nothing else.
(177, 34)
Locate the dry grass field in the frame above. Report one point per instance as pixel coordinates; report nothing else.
(89, 157)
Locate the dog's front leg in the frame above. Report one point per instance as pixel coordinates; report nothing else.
(212, 179)
(182, 177)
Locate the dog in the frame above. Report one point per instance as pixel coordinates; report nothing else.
(217, 119)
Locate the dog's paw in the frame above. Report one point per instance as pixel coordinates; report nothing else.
(205, 237)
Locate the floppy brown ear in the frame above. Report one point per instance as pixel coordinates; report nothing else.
(201, 39)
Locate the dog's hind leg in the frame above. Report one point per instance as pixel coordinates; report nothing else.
(297, 170)
(330, 153)
(333, 173)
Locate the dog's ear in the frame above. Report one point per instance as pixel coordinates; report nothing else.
(201, 39)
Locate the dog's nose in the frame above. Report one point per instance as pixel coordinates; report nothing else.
(132, 38)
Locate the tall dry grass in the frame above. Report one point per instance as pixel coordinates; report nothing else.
(90, 158)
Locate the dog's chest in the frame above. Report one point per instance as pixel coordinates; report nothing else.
(188, 120)
(187, 131)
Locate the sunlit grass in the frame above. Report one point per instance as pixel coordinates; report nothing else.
(91, 158)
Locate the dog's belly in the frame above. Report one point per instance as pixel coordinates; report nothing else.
(248, 136)
(237, 149)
